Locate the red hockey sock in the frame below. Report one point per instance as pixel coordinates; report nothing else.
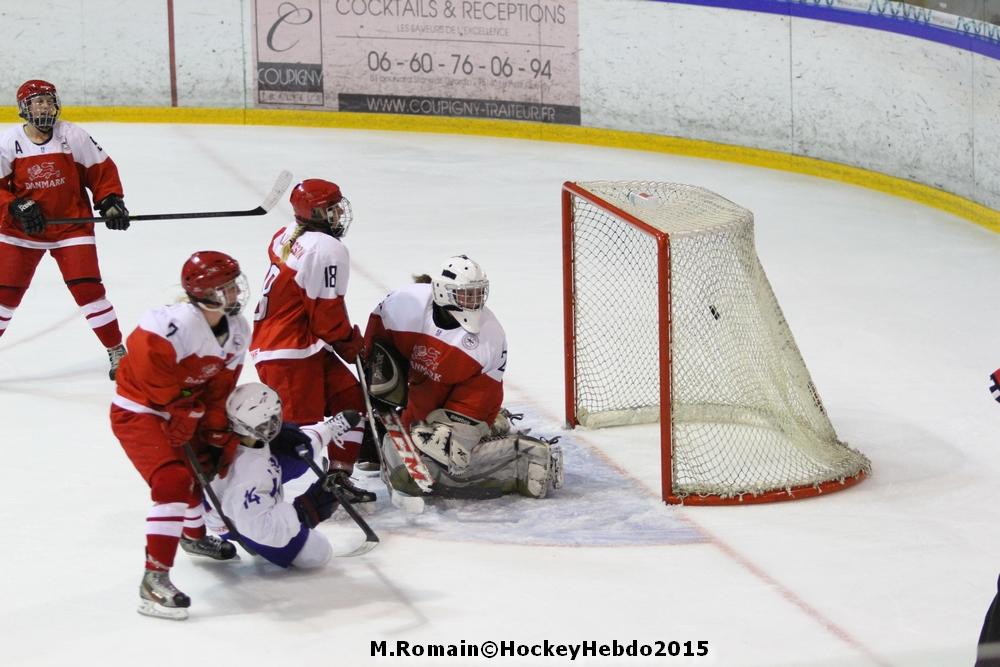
(163, 531)
(347, 452)
(194, 522)
(10, 298)
(100, 314)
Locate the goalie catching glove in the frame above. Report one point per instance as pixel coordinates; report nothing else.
(386, 372)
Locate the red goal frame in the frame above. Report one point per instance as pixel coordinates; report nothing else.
(662, 240)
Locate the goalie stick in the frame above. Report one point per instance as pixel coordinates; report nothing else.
(203, 481)
(371, 539)
(404, 447)
(278, 189)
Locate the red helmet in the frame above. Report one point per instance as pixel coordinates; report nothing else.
(318, 202)
(214, 281)
(43, 120)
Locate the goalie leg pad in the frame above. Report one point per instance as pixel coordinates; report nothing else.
(539, 467)
(521, 464)
(449, 437)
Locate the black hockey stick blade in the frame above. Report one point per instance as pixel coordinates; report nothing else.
(280, 185)
(371, 539)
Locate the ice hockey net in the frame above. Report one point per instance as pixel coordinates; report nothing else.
(669, 317)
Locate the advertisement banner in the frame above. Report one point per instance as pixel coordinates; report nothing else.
(491, 59)
(289, 53)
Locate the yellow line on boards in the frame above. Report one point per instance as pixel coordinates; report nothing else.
(898, 187)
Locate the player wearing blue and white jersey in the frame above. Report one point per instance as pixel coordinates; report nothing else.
(251, 491)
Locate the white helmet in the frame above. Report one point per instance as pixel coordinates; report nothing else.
(461, 288)
(254, 410)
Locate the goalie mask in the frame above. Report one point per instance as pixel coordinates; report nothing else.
(254, 410)
(213, 280)
(38, 104)
(320, 204)
(461, 288)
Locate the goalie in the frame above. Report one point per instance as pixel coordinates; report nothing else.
(437, 353)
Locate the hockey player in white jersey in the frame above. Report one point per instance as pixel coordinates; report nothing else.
(439, 354)
(251, 492)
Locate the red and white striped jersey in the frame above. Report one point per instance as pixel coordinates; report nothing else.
(302, 306)
(449, 368)
(174, 350)
(54, 174)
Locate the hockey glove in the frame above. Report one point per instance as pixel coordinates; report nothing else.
(184, 416)
(287, 442)
(995, 385)
(352, 346)
(29, 216)
(315, 505)
(223, 444)
(113, 208)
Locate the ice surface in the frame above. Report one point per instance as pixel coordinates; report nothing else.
(892, 304)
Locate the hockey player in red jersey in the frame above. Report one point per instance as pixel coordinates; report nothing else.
(45, 166)
(451, 351)
(183, 362)
(302, 334)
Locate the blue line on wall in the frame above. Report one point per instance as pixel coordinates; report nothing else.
(897, 24)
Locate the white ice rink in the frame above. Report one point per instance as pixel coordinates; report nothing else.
(894, 306)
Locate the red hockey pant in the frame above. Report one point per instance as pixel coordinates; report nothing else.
(313, 388)
(79, 267)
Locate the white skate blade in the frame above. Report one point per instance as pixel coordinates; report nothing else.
(151, 608)
(409, 504)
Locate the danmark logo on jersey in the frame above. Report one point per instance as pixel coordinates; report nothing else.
(207, 371)
(44, 175)
(426, 359)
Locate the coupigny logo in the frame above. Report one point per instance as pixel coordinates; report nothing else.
(426, 359)
(291, 14)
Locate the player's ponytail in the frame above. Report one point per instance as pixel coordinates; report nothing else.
(286, 247)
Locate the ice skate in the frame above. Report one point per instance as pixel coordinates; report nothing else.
(210, 546)
(353, 493)
(159, 598)
(115, 356)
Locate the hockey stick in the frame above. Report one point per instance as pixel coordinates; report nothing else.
(407, 503)
(280, 185)
(203, 481)
(371, 539)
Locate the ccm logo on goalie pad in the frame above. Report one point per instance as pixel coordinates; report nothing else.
(411, 459)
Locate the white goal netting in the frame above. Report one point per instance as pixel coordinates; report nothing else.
(746, 418)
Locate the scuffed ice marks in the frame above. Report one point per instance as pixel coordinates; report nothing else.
(598, 506)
